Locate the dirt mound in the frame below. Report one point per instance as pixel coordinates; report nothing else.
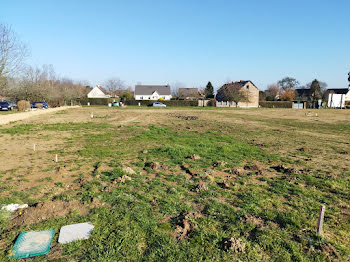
(219, 163)
(282, 169)
(186, 117)
(224, 184)
(156, 166)
(129, 170)
(184, 225)
(257, 221)
(122, 179)
(236, 171)
(234, 244)
(201, 186)
(253, 168)
(50, 209)
(195, 157)
(330, 251)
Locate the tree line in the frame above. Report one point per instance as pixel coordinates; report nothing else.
(285, 89)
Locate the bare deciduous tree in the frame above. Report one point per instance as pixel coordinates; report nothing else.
(272, 92)
(42, 84)
(113, 85)
(175, 89)
(12, 54)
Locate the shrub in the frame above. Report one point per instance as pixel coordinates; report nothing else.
(212, 102)
(161, 99)
(95, 101)
(23, 105)
(276, 104)
(167, 102)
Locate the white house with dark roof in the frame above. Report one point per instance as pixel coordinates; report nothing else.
(338, 97)
(97, 92)
(151, 92)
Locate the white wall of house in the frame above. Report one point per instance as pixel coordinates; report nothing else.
(154, 96)
(97, 93)
(336, 100)
(347, 96)
(233, 104)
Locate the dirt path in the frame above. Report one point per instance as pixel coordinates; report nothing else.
(5, 119)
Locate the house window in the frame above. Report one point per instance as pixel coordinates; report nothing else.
(141, 97)
(163, 97)
(149, 98)
(247, 87)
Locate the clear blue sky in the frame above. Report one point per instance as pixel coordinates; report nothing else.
(193, 41)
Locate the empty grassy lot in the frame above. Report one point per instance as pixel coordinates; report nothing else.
(209, 184)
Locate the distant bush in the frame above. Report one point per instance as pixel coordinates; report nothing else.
(212, 102)
(276, 104)
(96, 101)
(166, 102)
(23, 105)
(161, 99)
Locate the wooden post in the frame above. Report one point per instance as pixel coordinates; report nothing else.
(320, 220)
(34, 147)
(56, 158)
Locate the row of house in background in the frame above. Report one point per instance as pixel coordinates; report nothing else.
(163, 92)
(334, 97)
(152, 92)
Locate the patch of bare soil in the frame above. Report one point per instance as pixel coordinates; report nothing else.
(236, 171)
(51, 209)
(330, 251)
(219, 163)
(283, 169)
(235, 245)
(253, 168)
(122, 179)
(184, 225)
(257, 221)
(183, 117)
(156, 166)
(24, 115)
(201, 186)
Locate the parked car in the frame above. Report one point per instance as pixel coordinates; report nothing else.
(158, 104)
(36, 105)
(7, 106)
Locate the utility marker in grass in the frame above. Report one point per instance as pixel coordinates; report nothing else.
(320, 220)
(34, 147)
(56, 158)
(92, 115)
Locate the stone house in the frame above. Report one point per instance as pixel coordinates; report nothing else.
(247, 87)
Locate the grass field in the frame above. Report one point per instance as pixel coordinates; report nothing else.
(181, 184)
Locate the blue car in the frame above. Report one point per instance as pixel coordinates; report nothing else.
(7, 106)
(158, 104)
(35, 105)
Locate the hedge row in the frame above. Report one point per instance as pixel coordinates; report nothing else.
(167, 102)
(276, 104)
(96, 101)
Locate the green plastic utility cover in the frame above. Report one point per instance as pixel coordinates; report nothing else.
(31, 244)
